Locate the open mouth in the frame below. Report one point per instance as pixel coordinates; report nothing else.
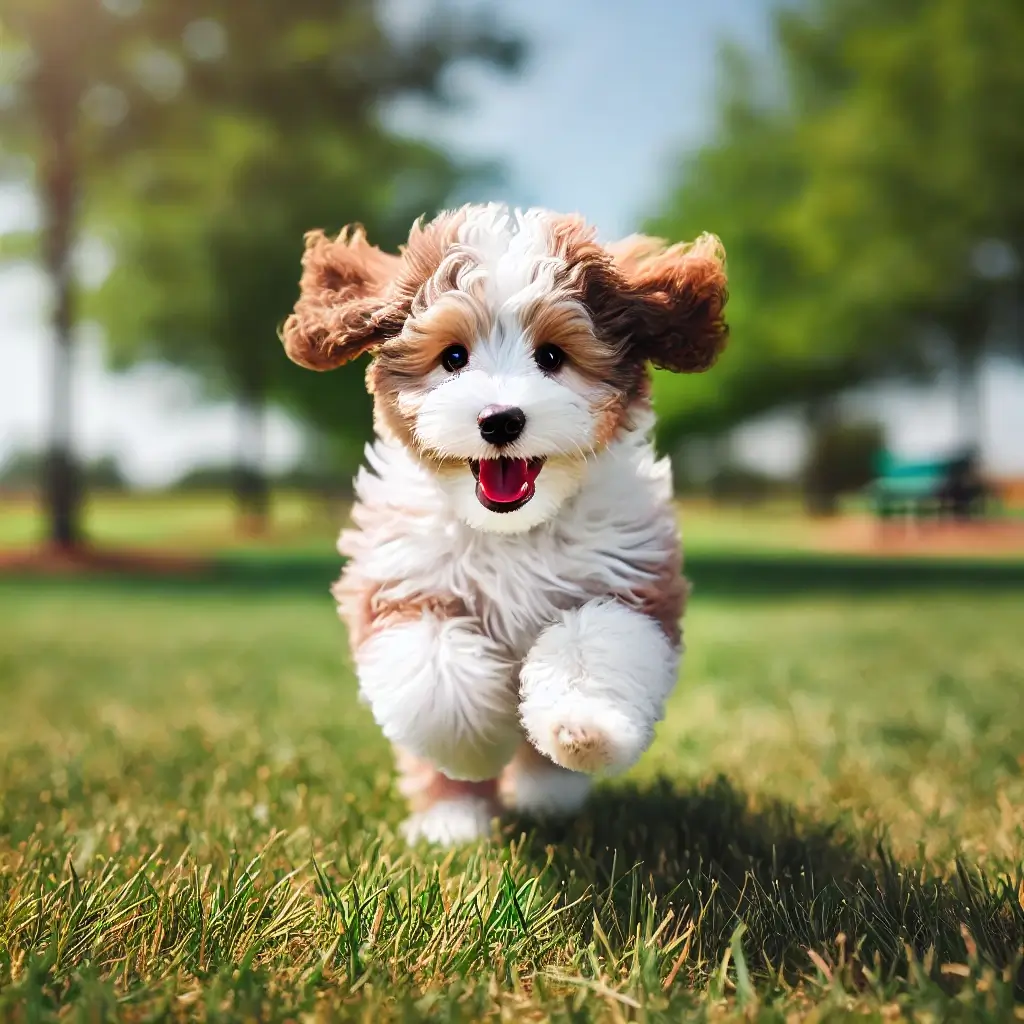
(503, 485)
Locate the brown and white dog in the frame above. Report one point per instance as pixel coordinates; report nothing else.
(513, 589)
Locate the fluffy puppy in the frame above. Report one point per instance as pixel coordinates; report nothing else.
(513, 587)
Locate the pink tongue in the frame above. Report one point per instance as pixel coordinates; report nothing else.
(504, 480)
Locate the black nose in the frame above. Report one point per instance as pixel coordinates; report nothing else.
(501, 426)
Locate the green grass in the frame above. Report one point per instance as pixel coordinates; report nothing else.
(181, 521)
(206, 520)
(197, 818)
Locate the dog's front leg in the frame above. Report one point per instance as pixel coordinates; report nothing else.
(594, 685)
(443, 691)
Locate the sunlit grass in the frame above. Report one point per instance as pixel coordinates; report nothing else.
(177, 521)
(197, 816)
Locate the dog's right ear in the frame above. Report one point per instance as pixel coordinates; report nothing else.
(343, 308)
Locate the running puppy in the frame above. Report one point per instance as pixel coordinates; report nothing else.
(513, 590)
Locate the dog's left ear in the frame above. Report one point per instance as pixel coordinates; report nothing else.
(677, 295)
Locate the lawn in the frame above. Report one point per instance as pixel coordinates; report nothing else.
(198, 818)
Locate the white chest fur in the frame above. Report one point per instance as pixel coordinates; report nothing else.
(608, 540)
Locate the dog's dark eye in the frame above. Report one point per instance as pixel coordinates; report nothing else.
(454, 357)
(549, 358)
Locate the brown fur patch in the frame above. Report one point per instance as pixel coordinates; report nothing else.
(366, 611)
(386, 612)
(606, 355)
(663, 304)
(664, 597)
(591, 276)
(611, 415)
(454, 319)
(429, 243)
(437, 317)
(563, 320)
(582, 749)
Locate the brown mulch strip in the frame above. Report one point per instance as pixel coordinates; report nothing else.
(54, 561)
(862, 534)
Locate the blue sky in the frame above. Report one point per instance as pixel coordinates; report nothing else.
(612, 92)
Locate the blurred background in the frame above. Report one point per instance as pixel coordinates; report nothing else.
(161, 159)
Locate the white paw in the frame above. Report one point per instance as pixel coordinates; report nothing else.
(594, 686)
(586, 734)
(450, 822)
(547, 790)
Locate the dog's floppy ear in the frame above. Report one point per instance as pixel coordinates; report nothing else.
(343, 306)
(678, 295)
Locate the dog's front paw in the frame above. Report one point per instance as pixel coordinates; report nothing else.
(450, 822)
(585, 734)
(584, 748)
(594, 685)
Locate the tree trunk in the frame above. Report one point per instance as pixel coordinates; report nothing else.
(820, 495)
(969, 399)
(62, 491)
(969, 328)
(252, 494)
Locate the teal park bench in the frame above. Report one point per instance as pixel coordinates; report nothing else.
(940, 488)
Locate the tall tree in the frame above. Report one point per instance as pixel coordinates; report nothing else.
(865, 186)
(110, 95)
(73, 94)
(207, 227)
(916, 170)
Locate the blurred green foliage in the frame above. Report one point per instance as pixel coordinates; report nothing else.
(864, 178)
(284, 135)
(81, 84)
(867, 188)
(20, 472)
(199, 139)
(842, 459)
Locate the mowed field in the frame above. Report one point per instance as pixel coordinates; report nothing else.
(197, 817)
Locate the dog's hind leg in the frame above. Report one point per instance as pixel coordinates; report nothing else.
(533, 784)
(444, 811)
